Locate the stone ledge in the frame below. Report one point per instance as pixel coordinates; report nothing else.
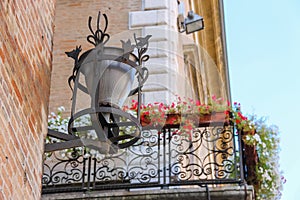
(216, 193)
(148, 18)
(155, 4)
(159, 33)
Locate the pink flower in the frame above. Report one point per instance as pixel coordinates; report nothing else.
(214, 98)
(173, 105)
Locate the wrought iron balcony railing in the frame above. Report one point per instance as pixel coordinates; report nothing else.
(212, 155)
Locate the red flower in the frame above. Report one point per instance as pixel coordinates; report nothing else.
(242, 116)
(134, 106)
(175, 132)
(228, 103)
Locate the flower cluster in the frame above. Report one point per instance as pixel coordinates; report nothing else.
(58, 123)
(265, 138)
(152, 114)
(266, 141)
(155, 114)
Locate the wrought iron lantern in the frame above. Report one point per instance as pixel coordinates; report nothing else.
(103, 78)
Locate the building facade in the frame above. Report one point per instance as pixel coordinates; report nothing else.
(169, 50)
(35, 69)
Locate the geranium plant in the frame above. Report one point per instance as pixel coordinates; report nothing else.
(265, 140)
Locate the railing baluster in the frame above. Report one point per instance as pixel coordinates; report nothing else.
(89, 173)
(241, 153)
(164, 156)
(159, 157)
(94, 173)
(83, 173)
(170, 159)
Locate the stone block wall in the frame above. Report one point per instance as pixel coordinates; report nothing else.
(159, 19)
(25, 68)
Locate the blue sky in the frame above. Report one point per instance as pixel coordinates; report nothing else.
(263, 43)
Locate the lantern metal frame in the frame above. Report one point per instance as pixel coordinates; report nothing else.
(106, 117)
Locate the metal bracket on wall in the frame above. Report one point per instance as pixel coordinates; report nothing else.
(70, 141)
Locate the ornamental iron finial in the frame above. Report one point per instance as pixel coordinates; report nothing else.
(99, 36)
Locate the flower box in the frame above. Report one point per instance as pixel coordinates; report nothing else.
(177, 119)
(215, 117)
(251, 161)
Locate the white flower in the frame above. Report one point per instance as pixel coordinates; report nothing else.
(99, 157)
(87, 155)
(93, 152)
(92, 135)
(260, 170)
(65, 121)
(257, 138)
(61, 109)
(53, 140)
(248, 138)
(62, 128)
(265, 153)
(267, 176)
(52, 121)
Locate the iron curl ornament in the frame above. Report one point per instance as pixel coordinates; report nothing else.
(103, 78)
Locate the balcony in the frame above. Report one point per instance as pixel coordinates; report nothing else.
(210, 157)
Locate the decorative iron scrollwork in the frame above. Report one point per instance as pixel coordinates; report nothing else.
(211, 156)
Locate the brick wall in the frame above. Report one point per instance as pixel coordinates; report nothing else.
(25, 68)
